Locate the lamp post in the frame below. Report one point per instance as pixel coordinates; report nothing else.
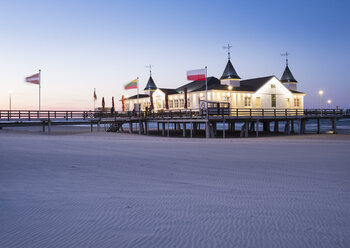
(10, 100)
(321, 94)
(329, 103)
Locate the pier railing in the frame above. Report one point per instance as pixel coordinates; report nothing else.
(29, 115)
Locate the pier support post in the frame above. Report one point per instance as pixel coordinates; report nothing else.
(233, 126)
(140, 127)
(214, 129)
(246, 129)
(146, 128)
(318, 126)
(257, 128)
(98, 126)
(130, 127)
(43, 126)
(163, 129)
(194, 128)
(91, 126)
(334, 125)
(286, 128)
(275, 130)
(184, 129)
(191, 127)
(207, 133)
(158, 127)
(49, 126)
(168, 128)
(292, 127)
(223, 129)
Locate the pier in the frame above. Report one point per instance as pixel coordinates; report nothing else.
(186, 122)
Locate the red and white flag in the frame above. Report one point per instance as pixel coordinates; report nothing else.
(34, 79)
(196, 75)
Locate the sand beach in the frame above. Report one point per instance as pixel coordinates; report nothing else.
(74, 188)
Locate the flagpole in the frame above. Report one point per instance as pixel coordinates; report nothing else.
(206, 90)
(94, 99)
(39, 91)
(138, 99)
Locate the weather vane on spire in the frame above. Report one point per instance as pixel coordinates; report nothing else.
(228, 47)
(150, 69)
(286, 55)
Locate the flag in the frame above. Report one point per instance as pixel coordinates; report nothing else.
(196, 75)
(95, 96)
(34, 79)
(131, 85)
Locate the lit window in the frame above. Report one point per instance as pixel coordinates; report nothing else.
(176, 103)
(273, 100)
(247, 101)
(296, 102)
(182, 103)
(258, 102)
(171, 104)
(188, 102)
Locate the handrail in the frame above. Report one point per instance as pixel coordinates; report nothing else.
(7, 115)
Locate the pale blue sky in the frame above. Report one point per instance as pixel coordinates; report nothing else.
(82, 45)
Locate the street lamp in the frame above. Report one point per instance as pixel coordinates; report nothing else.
(10, 96)
(329, 103)
(321, 94)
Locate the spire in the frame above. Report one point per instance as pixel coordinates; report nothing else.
(151, 86)
(287, 76)
(230, 72)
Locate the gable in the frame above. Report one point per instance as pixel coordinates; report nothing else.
(273, 86)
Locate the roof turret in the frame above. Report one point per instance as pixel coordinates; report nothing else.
(230, 72)
(287, 76)
(151, 86)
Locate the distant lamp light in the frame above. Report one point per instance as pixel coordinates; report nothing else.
(229, 87)
(321, 92)
(329, 103)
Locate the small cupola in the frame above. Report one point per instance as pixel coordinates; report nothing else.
(230, 76)
(151, 86)
(287, 78)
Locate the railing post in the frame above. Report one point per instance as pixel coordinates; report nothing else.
(250, 112)
(236, 112)
(29, 115)
(263, 112)
(286, 111)
(8, 115)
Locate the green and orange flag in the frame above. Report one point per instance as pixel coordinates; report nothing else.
(131, 85)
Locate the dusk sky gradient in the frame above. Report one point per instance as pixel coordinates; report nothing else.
(82, 45)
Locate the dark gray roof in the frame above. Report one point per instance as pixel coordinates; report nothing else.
(170, 91)
(287, 76)
(135, 96)
(229, 72)
(150, 84)
(198, 85)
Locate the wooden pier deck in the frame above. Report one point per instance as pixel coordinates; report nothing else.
(188, 121)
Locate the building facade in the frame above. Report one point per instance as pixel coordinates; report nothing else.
(257, 93)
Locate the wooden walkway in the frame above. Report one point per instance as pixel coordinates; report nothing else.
(188, 121)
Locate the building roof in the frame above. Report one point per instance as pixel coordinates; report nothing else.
(230, 72)
(198, 85)
(170, 91)
(135, 96)
(287, 76)
(150, 84)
